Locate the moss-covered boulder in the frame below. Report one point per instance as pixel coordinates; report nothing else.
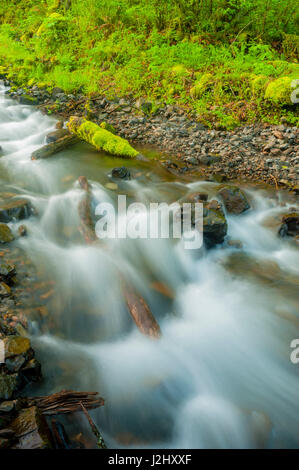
(279, 91)
(6, 235)
(108, 127)
(100, 138)
(234, 199)
(9, 384)
(259, 84)
(31, 430)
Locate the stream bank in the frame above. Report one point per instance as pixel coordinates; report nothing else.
(259, 153)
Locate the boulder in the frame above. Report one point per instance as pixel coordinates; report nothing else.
(234, 199)
(290, 225)
(121, 173)
(15, 210)
(17, 345)
(6, 235)
(214, 223)
(31, 430)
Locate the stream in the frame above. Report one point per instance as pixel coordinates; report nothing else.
(221, 374)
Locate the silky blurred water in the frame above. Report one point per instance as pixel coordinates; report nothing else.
(221, 375)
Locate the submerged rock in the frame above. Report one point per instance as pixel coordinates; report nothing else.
(121, 172)
(290, 225)
(6, 235)
(234, 199)
(15, 210)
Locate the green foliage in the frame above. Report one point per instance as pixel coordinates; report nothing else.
(205, 55)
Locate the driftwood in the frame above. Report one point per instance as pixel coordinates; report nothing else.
(100, 441)
(66, 401)
(138, 308)
(54, 147)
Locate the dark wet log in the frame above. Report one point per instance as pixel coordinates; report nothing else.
(86, 228)
(141, 313)
(137, 306)
(100, 441)
(66, 401)
(60, 436)
(54, 147)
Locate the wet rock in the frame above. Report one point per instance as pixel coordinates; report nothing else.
(6, 433)
(121, 172)
(214, 224)
(56, 135)
(28, 100)
(15, 210)
(9, 384)
(5, 290)
(14, 364)
(59, 125)
(234, 199)
(56, 91)
(6, 235)
(17, 345)
(290, 225)
(31, 430)
(7, 272)
(31, 372)
(7, 407)
(235, 244)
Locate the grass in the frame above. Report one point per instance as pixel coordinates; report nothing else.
(127, 53)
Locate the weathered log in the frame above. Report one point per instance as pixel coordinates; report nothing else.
(101, 138)
(54, 147)
(141, 313)
(66, 401)
(138, 308)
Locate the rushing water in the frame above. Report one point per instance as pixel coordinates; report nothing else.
(221, 374)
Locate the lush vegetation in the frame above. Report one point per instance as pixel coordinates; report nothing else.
(216, 58)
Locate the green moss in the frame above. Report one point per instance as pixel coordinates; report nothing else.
(205, 82)
(259, 84)
(279, 91)
(108, 127)
(101, 138)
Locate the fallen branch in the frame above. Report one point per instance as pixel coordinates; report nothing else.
(100, 138)
(100, 441)
(66, 401)
(54, 147)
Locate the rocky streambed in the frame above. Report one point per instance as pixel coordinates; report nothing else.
(257, 153)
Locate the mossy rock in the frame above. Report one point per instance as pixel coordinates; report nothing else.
(9, 384)
(28, 100)
(6, 235)
(16, 345)
(259, 84)
(179, 71)
(290, 45)
(279, 91)
(100, 138)
(205, 82)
